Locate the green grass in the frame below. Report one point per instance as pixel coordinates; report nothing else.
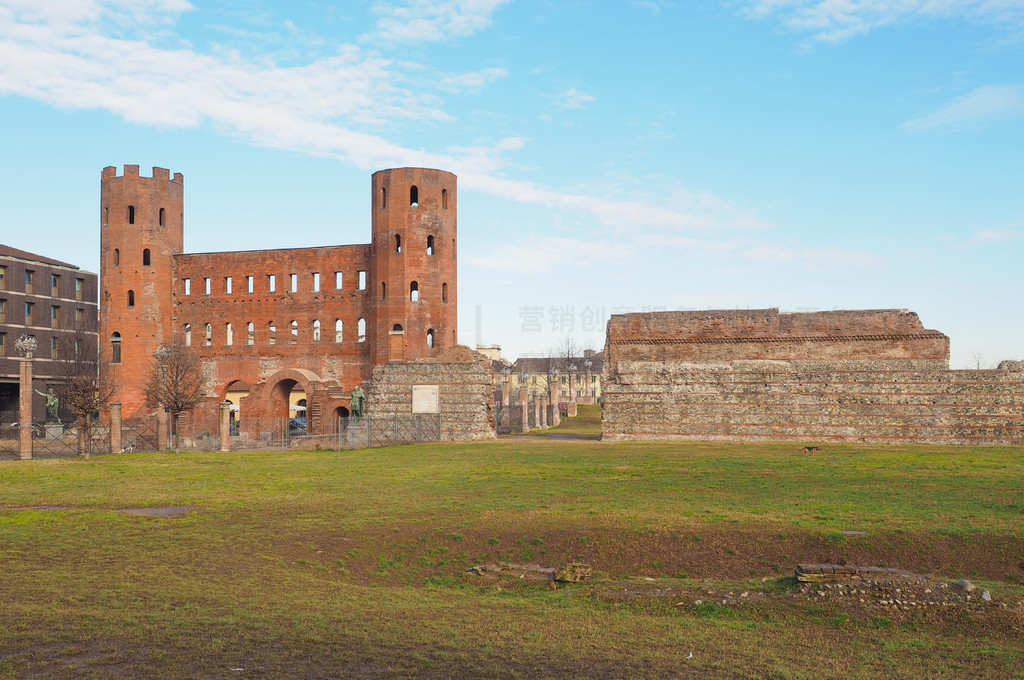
(328, 564)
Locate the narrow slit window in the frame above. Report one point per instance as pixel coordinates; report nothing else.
(295, 282)
(228, 284)
(206, 285)
(117, 257)
(362, 279)
(131, 214)
(444, 199)
(229, 336)
(444, 293)
(414, 292)
(188, 335)
(430, 245)
(294, 338)
(271, 282)
(337, 280)
(162, 217)
(383, 291)
(188, 286)
(209, 334)
(272, 337)
(250, 333)
(316, 282)
(338, 328)
(145, 257)
(430, 339)
(414, 196)
(316, 330)
(249, 284)
(383, 198)
(361, 330)
(131, 298)
(398, 243)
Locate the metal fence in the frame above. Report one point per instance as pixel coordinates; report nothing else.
(508, 419)
(346, 433)
(54, 439)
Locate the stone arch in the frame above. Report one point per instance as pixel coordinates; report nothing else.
(279, 386)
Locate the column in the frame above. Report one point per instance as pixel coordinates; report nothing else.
(163, 432)
(525, 404)
(25, 409)
(225, 426)
(115, 428)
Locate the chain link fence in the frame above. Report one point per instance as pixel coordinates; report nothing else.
(346, 433)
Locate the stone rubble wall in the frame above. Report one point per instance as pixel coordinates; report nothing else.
(902, 401)
(464, 391)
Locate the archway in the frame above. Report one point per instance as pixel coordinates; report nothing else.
(340, 419)
(237, 392)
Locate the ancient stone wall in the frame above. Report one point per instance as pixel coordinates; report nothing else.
(912, 398)
(463, 382)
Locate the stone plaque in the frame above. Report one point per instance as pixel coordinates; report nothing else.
(424, 399)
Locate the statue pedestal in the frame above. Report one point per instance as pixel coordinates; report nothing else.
(54, 430)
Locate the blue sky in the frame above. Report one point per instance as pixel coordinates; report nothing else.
(612, 156)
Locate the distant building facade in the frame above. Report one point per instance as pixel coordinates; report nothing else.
(53, 301)
(578, 379)
(277, 330)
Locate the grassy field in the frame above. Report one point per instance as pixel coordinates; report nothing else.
(351, 564)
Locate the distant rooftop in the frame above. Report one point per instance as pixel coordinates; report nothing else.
(8, 251)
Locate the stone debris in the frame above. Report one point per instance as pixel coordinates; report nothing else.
(572, 572)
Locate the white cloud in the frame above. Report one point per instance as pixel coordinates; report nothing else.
(328, 107)
(572, 99)
(837, 20)
(459, 82)
(982, 105)
(547, 253)
(432, 20)
(988, 236)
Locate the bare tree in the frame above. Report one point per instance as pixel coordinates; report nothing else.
(175, 383)
(81, 389)
(979, 359)
(567, 349)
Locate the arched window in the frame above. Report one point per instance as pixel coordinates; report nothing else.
(115, 348)
(229, 336)
(106, 215)
(131, 214)
(430, 338)
(145, 256)
(294, 337)
(272, 336)
(444, 292)
(383, 198)
(250, 333)
(131, 298)
(383, 291)
(414, 195)
(397, 328)
(398, 243)
(430, 245)
(414, 292)
(117, 257)
(209, 334)
(338, 328)
(444, 199)
(161, 217)
(361, 330)
(188, 335)
(316, 330)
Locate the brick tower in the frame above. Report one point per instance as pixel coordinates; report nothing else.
(412, 276)
(141, 231)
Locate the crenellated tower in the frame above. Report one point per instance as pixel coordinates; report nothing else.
(141, 231)
(412, 276)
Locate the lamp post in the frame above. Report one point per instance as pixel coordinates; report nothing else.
(26, 346)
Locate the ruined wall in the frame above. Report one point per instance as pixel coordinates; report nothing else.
(464, 391)
(893, 386)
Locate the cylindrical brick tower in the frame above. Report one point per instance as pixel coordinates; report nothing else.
(141, 231)
(412, 277)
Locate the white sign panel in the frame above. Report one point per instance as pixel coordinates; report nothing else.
(424, 399)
